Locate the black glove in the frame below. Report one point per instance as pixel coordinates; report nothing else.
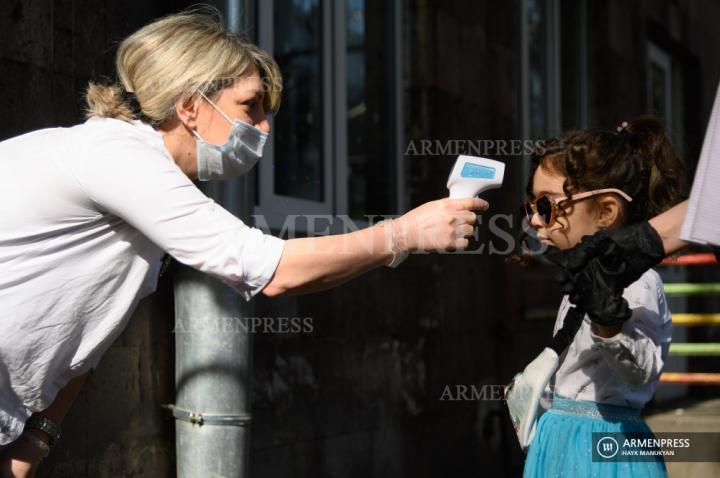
(597, 271)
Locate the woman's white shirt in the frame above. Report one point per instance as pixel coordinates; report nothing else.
(702, 218)
(86, 214)
(624, 369)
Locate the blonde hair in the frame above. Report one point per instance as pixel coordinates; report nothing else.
(168, 60)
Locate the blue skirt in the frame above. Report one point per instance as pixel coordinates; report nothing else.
(563, 442)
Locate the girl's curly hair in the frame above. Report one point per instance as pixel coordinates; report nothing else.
(638, 159)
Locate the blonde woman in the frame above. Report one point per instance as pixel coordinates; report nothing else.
(87, 212)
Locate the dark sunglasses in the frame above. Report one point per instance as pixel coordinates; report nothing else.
(548, 208)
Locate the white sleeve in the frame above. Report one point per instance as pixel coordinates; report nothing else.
(144, 187)
(702, 219)
(636, 354)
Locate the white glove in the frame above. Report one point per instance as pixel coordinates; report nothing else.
(524, 392)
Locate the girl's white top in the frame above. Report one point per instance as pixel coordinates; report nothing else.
(702, 219)
(624, 369)
(85, 215)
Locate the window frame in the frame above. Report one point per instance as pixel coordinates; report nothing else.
(553, 76)
(276, 208)
(554, 73)
(658, 56)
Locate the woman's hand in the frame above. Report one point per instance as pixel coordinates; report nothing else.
(438, 225)
(20, 459)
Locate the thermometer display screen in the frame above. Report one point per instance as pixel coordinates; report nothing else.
(477, 171)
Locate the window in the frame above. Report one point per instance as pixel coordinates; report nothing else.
(540, 71)
(371, 110)
(298, 49)
(541, 60)
(659, 84)
(335, 143)
(553, 70)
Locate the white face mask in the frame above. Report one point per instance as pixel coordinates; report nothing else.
(236, 157)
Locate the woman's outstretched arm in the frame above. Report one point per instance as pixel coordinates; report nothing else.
(319, 263)
(668, 226)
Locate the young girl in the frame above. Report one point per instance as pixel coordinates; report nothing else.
(584, 182)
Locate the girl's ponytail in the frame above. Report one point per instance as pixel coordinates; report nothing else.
(661, 168)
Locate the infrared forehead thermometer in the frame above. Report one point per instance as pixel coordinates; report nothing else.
(473, 175)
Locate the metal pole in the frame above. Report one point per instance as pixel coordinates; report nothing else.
(213, 350)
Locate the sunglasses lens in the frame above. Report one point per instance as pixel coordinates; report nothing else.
(544, 209)
(528, 211)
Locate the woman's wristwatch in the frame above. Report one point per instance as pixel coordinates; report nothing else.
(45, 425)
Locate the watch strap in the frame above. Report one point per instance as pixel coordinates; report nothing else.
(46, 426)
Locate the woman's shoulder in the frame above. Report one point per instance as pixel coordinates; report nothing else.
(108, 140)
(115, 131)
